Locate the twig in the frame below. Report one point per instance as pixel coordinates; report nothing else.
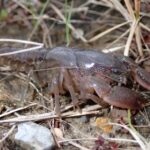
(16, 110)
(44, 116)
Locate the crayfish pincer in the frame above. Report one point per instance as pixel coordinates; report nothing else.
(95, 75)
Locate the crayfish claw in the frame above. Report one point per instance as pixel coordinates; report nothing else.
(124, 98)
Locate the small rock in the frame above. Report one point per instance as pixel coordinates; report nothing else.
(31, 136)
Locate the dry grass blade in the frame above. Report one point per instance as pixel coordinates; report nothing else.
(138, 40)
(39, 20)
(135, 27)
(121, 9)
(119, 38)
(144, 27)
(21, 51)
(29, 118)
(138, 29)
(19, 3)
(113, 49)
(44, 116)
(106, 138)
(107, 31)
(77, 145)
(89, 109)
(132, 31)
(137, 7)
(140, 140)
(8, 134)
(129, 7)
(21, 41)
(16, 110)
(36, 47)
(65, 22)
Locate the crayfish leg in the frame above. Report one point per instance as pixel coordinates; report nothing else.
(54, 89)
(69, 85)
(96, 99)
(100, 86)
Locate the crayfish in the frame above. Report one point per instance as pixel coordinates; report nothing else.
(84, 74)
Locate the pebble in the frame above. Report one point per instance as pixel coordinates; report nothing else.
(31, 136)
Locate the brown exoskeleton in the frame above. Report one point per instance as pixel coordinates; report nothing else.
(85, 75)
